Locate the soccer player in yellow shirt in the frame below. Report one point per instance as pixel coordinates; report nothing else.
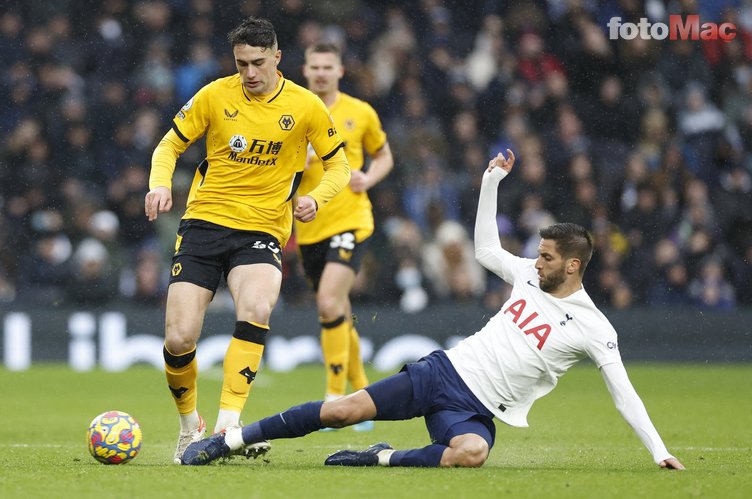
(332, 246)
(239, 212)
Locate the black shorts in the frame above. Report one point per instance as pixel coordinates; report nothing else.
(205, 251)
(341, 248)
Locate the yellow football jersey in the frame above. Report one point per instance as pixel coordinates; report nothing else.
(360, 128)
(256, 150)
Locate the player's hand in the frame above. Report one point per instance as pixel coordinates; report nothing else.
(305, 211)
(359, 181)
(158, 200)
(500, 161)
(671, 464)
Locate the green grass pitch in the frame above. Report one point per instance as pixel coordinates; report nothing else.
(577, 444)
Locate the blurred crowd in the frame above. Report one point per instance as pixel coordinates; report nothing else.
(646, 143)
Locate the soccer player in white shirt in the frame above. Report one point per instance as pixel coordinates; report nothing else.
(547, 325)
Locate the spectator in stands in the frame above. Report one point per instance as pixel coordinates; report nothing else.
(697, 226)
(732, 200)
(682, 62)
(701, 124)
(711, 289)
(11, 33)
(534, 179)
(449, 264)
(406, 242)
(566, 139)
(146, 283)
(535, 61)
(201, 67)
(432, 190)
(622, 297)
(92, 280)
(615, 116)
(581, 210)
(44, 272)
(669, 287)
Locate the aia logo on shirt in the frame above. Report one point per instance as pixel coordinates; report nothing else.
(523, 319)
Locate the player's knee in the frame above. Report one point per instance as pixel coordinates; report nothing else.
(329, 306)
(341, 412)
(179, 346)
(336, 415)
(473, 458)
(179, 341)
(260, 312)
(472, 453)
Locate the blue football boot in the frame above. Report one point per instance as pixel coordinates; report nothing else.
(205, 451)
(368, 457)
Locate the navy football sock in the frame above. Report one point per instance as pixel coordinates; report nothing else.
(294, 422)
(427, 457)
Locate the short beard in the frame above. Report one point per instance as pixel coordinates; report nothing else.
(553, 281)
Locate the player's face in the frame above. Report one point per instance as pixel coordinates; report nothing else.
(323, 70)
(551, 266)
(257, 67)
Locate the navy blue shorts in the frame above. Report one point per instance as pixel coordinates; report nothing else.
(432, 388)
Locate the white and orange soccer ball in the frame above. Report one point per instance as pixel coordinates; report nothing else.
(114, 437)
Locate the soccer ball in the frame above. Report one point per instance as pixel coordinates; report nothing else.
(114, 437)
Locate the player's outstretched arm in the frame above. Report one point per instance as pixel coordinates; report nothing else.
(488, 250)
(630, 406)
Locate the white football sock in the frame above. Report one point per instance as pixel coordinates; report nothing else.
(234, 438)
(226, 419)
(384, 456)
(189, 422)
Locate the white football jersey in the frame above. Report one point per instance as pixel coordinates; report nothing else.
(535, 338)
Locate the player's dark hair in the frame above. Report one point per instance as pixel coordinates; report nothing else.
(324, 48)
(255, 32)
(572, 241)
